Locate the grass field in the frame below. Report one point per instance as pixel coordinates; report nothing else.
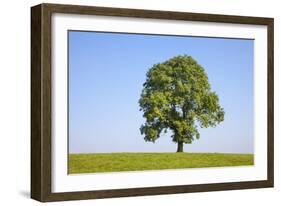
(116, 162)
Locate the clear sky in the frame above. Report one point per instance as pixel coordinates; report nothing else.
(106, 73)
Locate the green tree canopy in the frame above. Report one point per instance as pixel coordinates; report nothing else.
(177, 96)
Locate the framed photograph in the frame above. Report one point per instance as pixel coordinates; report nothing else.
(128, 102)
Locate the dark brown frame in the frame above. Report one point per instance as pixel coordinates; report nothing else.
(41, 101)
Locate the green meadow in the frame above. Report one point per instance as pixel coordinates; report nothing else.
(117, 162)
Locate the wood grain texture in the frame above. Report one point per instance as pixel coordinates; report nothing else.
(156, 190)
(41, 115)
(270, 102)
(170, 15)
(36, 170)
(40, 102)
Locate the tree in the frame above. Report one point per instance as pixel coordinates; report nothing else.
(177, 96)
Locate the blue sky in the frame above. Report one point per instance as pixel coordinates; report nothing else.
(106, 73)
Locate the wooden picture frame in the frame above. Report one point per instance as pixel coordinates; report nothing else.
(41, 97)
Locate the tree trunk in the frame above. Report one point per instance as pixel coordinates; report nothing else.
(180, 147)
